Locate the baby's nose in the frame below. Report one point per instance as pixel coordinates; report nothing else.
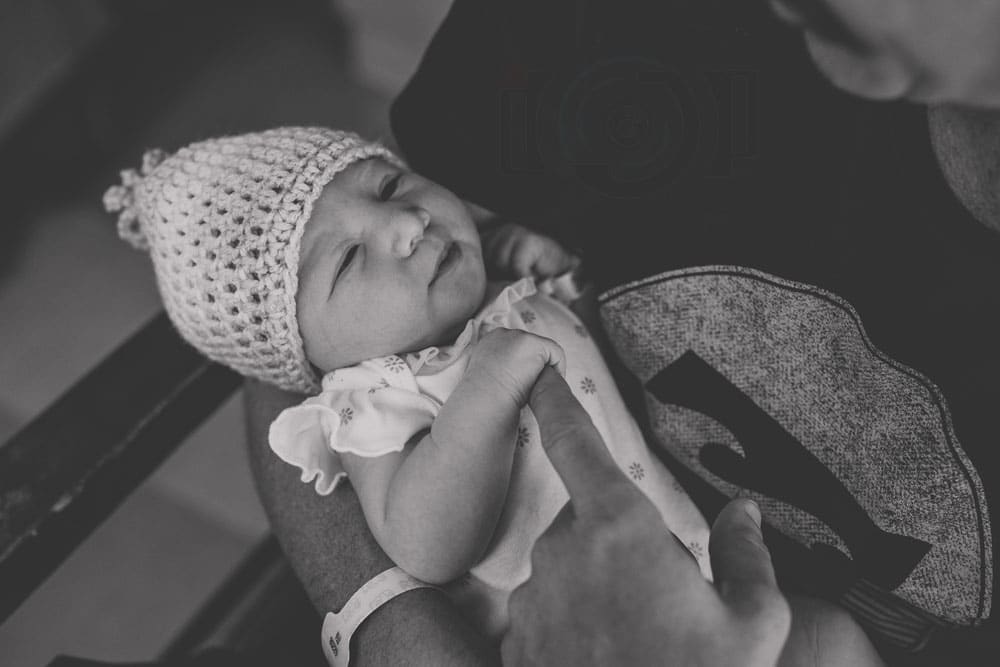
(408, 230)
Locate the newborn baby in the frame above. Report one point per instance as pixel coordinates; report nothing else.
(318, 262)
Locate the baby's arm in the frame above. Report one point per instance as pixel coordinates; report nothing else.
(434, 506)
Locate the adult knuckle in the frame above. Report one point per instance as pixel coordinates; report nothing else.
(512, 648)
(768, 612)
(780, 612)
(516, 601)
(544, 555)
(561, 434)
(603, 540)
(615, 520)
(748, 541)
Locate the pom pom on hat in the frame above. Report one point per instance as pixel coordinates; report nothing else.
(121, 199)
(222, 220)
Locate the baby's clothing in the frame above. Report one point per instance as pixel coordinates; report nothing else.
(377, 406)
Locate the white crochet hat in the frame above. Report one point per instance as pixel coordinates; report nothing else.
(222, 220)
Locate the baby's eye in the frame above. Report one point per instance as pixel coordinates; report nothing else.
(389, 187)
(348, 258)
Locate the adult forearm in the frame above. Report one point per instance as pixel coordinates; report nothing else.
(333, 553)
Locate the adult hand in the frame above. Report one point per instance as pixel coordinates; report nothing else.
(610, 585)
(925, 50)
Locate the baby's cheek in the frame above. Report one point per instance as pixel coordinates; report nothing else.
(317, 355)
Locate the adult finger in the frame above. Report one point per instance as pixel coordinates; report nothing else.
(741, 563)
(571, 441)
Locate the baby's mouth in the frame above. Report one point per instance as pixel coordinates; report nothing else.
(448, 258)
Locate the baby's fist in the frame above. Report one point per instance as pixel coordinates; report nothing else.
(512, 360)
(516, 251)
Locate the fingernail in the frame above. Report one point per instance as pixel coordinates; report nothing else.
(751, 508)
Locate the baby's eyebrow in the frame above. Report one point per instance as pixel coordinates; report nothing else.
(371, 169)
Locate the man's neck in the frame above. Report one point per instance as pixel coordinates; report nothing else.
(967, 145)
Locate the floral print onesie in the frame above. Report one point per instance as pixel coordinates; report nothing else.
(377, 406)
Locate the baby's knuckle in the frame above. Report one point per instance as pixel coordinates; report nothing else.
(526, 343)
(500, 338)
(544, 345)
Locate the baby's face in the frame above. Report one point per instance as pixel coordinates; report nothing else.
(390, 262)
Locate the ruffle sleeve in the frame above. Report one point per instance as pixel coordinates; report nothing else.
(371, 409)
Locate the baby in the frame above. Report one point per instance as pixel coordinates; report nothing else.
(318, 262)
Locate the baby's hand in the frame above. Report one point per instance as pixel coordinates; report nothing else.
(516, 251)
(510, 361)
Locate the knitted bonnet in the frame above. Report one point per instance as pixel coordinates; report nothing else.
(222, 220)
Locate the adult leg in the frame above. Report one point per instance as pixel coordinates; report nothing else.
(328, 544)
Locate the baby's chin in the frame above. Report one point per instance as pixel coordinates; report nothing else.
(451, 334)
(445, 336)
(450, 331)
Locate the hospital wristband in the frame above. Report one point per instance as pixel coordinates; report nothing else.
(338, 628)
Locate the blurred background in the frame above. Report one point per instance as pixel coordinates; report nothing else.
(85, 87)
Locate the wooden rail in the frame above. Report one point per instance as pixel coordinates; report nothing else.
(72, 465)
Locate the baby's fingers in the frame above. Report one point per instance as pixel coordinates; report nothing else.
(553, 354)
(527, 350)
(553, 260)
(542, 257)
(513, 360)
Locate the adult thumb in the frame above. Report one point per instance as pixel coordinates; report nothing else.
(741, 563)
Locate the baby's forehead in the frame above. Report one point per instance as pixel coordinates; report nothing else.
(345, 193)
(362, 171)
(351, 183)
